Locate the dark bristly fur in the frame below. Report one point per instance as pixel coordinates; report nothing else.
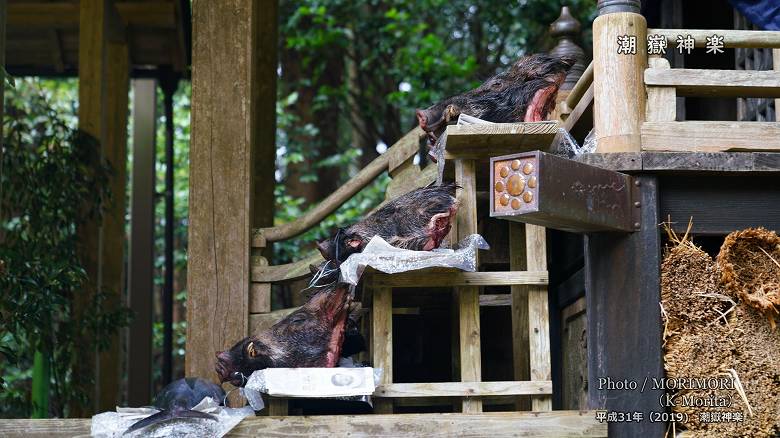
(405, 222)
(504, 98)
(312, 336)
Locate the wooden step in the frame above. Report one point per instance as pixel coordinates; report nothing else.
(464, 389)
(482, 141)
(716, 83)
(706, 136)
(449, 278)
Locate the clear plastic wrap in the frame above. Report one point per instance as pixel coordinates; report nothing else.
(386, 258)
(114, 424)
(566, 146)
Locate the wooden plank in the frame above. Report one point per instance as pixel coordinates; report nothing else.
(115, 146)
(776, 67)
(619, 92)
(260, 298)
(706, 136)
(538, 314)
(382, 341)
(463, 389)
(495, 300)
(622, 274)
(519, 311)
(574, 360)
(584, 106)
(720, 204)
(261, 272)
(578, 90)
(221, 159)
(482, 141)
(468, 296)
(453, 277)
(716, 83)
(141, 254)
(261, 321)
(749, 39)
(410, 178)
(686, 162)
(661, 101)
(559, 424)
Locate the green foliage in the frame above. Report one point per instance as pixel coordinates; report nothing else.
(52, 179)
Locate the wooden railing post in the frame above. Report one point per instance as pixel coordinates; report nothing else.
(619, 60)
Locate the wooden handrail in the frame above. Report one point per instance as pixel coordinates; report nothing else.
(579, 89)
(716, 83)
(402, 150)
(748, 39)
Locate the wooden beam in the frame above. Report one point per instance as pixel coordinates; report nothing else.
(622, 274)
(115, 147)
(56, 51)
(480, 141)
(65, 15)
(141, 254)
(468, 296)
(661, 103)
(538, 314)
(463, 389)
(583, 84)
(716, 83)
(686, 162)
(221, 179)
(749, 39)
(558, 424)
(619, 93)
(706, 136)
(382, 341)
(92, 121)
(261, 272)
(261, 321)
(451, 278)
(495, 300)
(519, 311)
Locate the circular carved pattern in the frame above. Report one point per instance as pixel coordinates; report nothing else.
(515, 185)
(499, 186)
(528, 197)
(532, 182)
(515, 204)
(504, 171)
(515, 164)
(528, 168)
(504, 199)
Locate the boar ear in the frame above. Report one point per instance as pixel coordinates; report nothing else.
(422, 119)
(325, 249)
(354, 243)
(251, 350)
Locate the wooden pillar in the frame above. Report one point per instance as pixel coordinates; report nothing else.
(619, 93)
(520, 346)
(141, 254)
(113, 254)
(382, 341)
(468, 296)
(91, 98)
(221, 178)
(622, 283)
(168, 84)
(538, 314)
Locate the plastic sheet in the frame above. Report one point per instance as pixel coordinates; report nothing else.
(566, 146)
(315, 382)
(114, 424)
(386, 258)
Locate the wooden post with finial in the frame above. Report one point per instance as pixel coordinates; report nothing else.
(566, 29)
(619, 61)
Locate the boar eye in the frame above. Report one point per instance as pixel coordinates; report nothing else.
(250, 350)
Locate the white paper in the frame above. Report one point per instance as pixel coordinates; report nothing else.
(313, 382)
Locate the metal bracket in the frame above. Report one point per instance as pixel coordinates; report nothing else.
(555, 192)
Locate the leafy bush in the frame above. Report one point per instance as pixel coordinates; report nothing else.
(52, 179)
